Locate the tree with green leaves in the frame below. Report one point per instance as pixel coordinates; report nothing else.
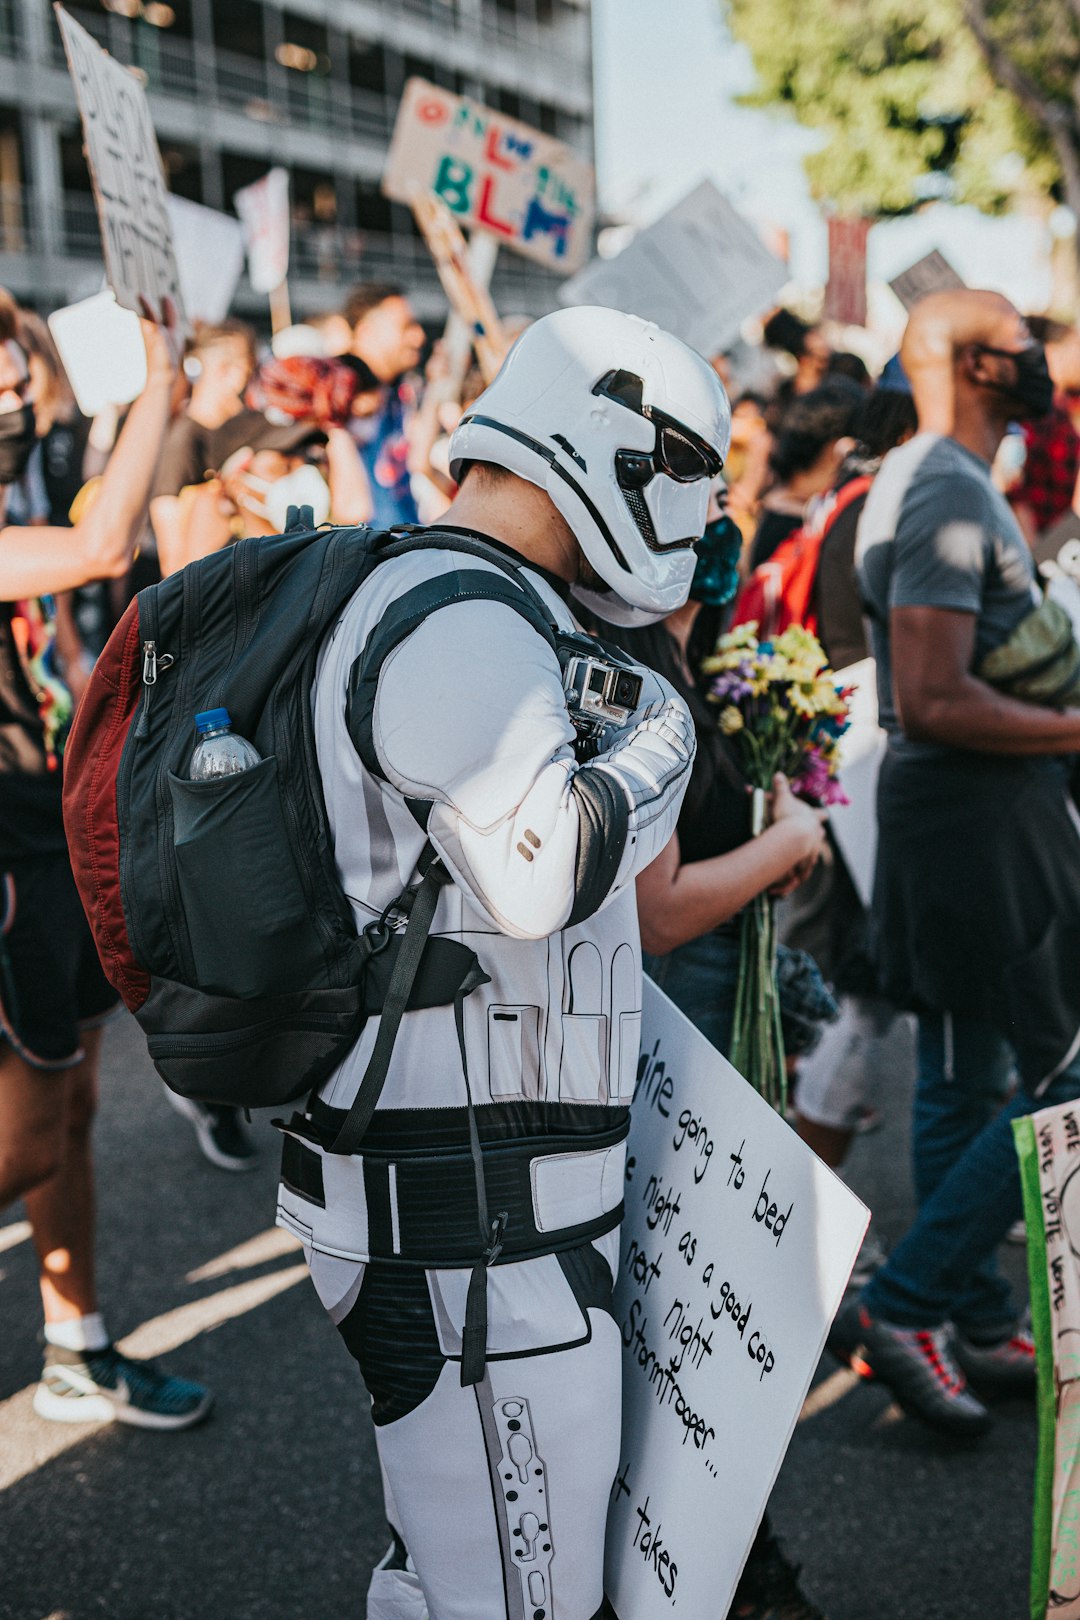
(924, 98)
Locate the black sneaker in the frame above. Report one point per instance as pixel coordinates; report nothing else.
(1004, 1368)
(917, 1365)
(103, 1386)
(769, 1587)
(219, 1131)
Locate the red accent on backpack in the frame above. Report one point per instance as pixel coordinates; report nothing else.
(92, 760)
(781, 591)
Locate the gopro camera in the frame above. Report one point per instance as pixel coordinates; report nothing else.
(599, 692)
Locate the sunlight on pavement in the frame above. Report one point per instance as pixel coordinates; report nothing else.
(176, 1327)
(828, 1392)
(892, 1414)
(17, 1232)
(269, 1245)
(153, 1338)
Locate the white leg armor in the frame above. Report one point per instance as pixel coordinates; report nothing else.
(499, 1491)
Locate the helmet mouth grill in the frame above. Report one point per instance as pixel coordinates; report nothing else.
(641, 515)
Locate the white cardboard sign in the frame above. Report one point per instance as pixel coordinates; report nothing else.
(862, 749)
(102, 350)
(125, 167)
(209, 257)
(736, 1249)
(930, 274)
(698, 272)
(264, 215)
(531, 192)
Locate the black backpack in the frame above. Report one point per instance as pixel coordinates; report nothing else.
(216, 906)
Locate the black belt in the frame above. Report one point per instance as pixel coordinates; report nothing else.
(422, 1208)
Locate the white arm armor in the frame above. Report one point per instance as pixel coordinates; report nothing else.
(470, 716)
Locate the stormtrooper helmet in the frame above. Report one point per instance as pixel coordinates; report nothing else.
(624, 427)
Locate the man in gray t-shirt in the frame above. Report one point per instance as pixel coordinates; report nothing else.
(976, 914)
(936, 533)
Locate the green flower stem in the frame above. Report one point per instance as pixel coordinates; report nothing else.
(757, 1045)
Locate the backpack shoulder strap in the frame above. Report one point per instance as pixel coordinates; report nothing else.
(409, 611)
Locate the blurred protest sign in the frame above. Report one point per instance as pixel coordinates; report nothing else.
(862, 749)
(102, 350)
(209, 251)
(126, 171)
(933, 273)
(264, 215)
(1048, 1146)
(530, 191)
(469, 297)
(845, 292)
(736, 1249)
(699, 271)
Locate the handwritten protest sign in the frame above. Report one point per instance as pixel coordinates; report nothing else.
(494, 174)
(932, 273)
(128, 179)
(1048, 1145)
(699, 271)
(736, 1249)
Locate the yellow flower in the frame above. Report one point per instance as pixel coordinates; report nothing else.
(731, 721)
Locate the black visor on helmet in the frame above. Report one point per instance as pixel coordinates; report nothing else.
(679, 451)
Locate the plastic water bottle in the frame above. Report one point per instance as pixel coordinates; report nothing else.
(219, 752)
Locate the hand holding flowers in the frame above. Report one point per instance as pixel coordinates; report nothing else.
(780, 705)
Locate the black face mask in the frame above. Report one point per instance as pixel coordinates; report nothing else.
(1033, 389)
(18, 435)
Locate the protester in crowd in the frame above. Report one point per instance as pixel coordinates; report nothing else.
(826, 916)
(977, 897)
(885, 418)
(804, 460)
(388, 339)
(808, 347)
(262, 468)
(1046, 485)
(746, 471)
(48, 489)
(221, 363)
(462, 705)
(293, 451)
(53, 994)
(690, 897)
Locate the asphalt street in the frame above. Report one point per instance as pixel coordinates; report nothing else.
(272, 1509)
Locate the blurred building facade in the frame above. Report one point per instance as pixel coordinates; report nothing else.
(236, 86)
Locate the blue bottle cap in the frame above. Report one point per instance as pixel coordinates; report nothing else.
(212, 720)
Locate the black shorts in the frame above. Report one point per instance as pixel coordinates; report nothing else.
(51, 982)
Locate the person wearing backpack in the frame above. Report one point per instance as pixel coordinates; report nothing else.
(53, 994)
(466, 1245)
(409, 907)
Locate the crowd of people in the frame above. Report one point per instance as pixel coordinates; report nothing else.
(902, 516)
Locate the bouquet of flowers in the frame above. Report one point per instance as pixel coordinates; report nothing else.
(781, 706)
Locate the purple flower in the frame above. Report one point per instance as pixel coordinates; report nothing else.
(731, 687)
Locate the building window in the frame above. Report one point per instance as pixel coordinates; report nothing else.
(238, 26)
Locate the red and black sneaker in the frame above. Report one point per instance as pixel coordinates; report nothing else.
(917, 1364)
